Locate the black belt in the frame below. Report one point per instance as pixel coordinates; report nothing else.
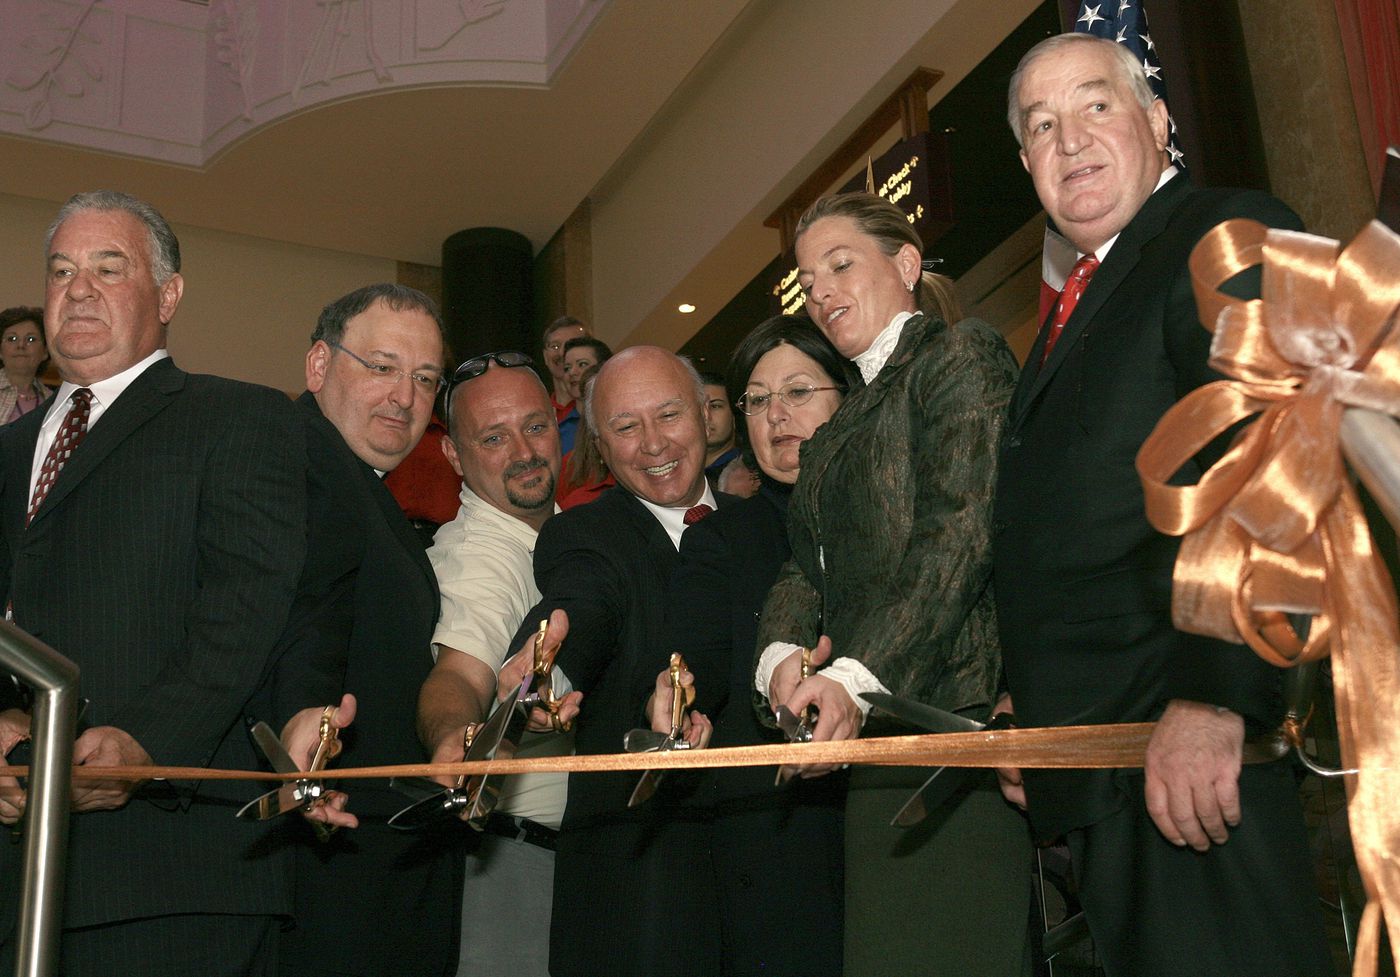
(521, 829)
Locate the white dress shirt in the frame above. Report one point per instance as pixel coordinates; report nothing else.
(104, 394)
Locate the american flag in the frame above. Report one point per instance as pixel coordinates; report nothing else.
(1125, 22)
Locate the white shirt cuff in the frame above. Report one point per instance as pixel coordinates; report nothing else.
(771, 658)
(848, 673)
(855, 678)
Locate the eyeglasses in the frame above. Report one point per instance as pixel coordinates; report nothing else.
(27, 340)
(477, 365)
(427, 383)
(794, 395)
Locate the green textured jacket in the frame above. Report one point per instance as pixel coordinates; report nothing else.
(891, 521)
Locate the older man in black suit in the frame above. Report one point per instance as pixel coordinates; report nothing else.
(153, 520)
(1193, 865)
(363, 624)
(625, 897)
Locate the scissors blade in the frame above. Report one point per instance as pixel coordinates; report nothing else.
(273, 804)
(922, 715)
(793, 726)
(945, 782)
(646, 787)
(643, 741)
(271, 747)
(443, 805)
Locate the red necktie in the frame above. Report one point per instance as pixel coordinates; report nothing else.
(70, 434)
(1078, 280)
(697, 512)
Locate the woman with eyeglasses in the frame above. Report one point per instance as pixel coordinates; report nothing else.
(889, 584)
(24, 354)
(776, 852)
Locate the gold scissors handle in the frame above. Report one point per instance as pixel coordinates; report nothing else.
(680, 695)
(329, 747)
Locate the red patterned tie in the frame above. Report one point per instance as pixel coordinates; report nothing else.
(697, 512)
(70, 434)
(1078, 280)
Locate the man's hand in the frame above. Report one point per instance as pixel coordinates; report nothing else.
(301, 736)
(1009, 778)
(106, 746)
(696, 728)
(1193, 773)
(513, 673)
(450, 749)
(785, 678)
(14, 729)
(838, 716)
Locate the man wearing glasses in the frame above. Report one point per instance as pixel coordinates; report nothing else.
(363, 624)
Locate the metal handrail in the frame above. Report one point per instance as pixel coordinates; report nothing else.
(1371, 442)
(54, 680)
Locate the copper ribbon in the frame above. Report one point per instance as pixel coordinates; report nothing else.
(1275, 527)
(1122, 745)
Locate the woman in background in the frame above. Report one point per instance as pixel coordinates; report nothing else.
(776, 851)
(583, 475)
(24, 355)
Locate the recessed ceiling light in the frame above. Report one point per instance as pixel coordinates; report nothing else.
(686, 308)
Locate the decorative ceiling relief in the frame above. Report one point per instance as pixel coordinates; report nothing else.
(181, 82)
(53, 62)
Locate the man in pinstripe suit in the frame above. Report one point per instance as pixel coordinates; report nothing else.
(161, 557)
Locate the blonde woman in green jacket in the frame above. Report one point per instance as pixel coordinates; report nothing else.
(890, 580)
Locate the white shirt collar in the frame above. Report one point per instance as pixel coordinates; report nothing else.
(104, 392)
(873, 360)
(479, 508)
(673, 519)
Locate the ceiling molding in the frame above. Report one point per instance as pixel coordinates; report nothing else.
(181, 83)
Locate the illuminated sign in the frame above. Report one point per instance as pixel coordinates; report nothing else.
(914, 176)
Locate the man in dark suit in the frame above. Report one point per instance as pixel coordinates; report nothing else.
(625, 898)
(363, 624)
(1173, 863)
(161, 558)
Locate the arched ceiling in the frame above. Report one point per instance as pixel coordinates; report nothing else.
(684, 122)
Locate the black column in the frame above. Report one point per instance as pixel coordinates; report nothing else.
(487, 296)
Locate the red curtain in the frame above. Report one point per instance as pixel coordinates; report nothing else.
(1371, 40)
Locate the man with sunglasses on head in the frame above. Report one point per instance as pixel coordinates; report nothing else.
(504, 443)
(362, 624)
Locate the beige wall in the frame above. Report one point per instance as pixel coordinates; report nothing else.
(249, 304)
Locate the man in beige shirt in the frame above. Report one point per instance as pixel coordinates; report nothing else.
(504, 442)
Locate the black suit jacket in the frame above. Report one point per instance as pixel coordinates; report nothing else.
(761, 837)
(163, 562)
(608, 565)
(363, 622)
(1083, 582)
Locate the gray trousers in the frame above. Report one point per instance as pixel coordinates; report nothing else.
(506, 905)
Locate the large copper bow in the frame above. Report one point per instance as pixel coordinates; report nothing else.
(1275, 527)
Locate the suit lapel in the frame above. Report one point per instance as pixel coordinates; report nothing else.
(399, 525)
(1121, 261)
(145, 397)
(658, 541)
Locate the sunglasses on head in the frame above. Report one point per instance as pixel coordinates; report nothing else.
(477, 365)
